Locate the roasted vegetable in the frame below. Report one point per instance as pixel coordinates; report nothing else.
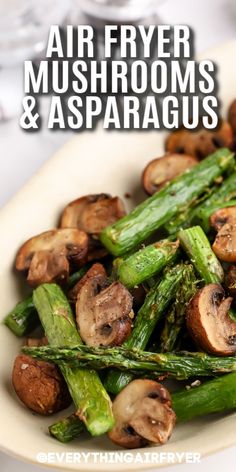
(162, 170)
(153, 309)
(46, 257)
(39, 385)
(145, 263)
(183, 365)
(90, 398)
(157, 210)
(209, 323)
(198, 248)
(23, 318)
(143, 415)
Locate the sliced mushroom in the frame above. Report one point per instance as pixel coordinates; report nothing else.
(232, 116)
(209, 323)
(47, 256)
(230, 280)
(97, 271)
(224, 221)
(104, 315)
(161, 170)
(222, 216)
(143, 415)
(224, 245)
(39, 385)
(200, 143)
(92, 213)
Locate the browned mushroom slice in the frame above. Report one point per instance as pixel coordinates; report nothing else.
(48, 266)
(232, 116)
(224, 245)
(97, 271)
(200, 143)
(161, 170)
(209, 323)
(46, 256)
(223, 216)
(92, 213)
(39, 385)
(230, 280)
(143, 415)
(104, 316)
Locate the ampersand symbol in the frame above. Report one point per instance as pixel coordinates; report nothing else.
(28, 118)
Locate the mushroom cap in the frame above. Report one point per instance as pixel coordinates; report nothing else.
(224, 245)
(209, 323)
(143, 414)
(39, 385)
(161, 170)
(47, 255)
(222, 216)
(92, 213)
(200, 143)
(97, 272)
(103, 315)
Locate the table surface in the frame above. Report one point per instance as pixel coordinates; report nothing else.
(23, 153)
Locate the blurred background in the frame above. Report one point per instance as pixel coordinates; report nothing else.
(24, 26)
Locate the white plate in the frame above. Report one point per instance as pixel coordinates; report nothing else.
(92, 162)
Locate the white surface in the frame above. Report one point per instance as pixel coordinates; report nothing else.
(22, 154)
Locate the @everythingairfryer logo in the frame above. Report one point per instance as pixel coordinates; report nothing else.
(190, 457)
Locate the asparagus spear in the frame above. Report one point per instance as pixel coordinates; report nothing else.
(90, 397)
(23, 318)
(198, 248)
(149, 314)
(133, 229)
(205, 213)
(176, 316)
(192, 214)
(224, 193)
(67, 429)
(147, 262)
(214, 396)
(180, 366)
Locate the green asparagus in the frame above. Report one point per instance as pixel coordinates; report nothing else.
(23, 318)
(205, 213)
(193, 213)
(224, 193)
(180, 366)
(89, 396)
(155, 304)
(198, 248)
(175, 318)
(214, 396)
(147, 262)
(131, 230)
(67, 429)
